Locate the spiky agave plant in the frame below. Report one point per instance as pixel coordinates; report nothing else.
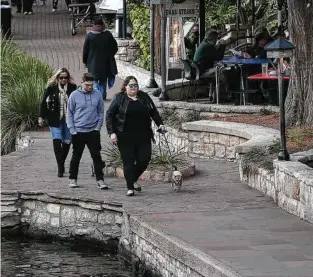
(23, 80)
(161, 157)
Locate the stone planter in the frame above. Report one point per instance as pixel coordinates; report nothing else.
(152, 175)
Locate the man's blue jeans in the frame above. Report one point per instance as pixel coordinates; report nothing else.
(102, 87)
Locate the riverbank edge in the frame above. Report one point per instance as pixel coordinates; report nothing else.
(143, 244)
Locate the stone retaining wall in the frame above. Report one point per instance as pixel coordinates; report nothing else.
(163, 255)
(294, 186)
(290, 186)
(128, 50)
(39, 212)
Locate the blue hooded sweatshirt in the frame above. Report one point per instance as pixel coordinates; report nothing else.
(85, 111)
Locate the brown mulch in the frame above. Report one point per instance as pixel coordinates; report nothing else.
(298, 138)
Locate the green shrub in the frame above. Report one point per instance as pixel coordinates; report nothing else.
(23, 80)
(140, 21)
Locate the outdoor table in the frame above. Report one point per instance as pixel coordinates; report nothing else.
(264, 77)
(267, 77)
(239, 61)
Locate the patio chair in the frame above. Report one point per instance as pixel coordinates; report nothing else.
(191, 72)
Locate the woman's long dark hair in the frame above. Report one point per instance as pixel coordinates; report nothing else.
(125, 83)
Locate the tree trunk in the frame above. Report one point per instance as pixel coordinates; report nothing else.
(299, 101)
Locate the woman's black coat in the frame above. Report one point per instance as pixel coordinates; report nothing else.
(115, 116)
(51, 110)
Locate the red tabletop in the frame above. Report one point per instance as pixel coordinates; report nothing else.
(261, 76)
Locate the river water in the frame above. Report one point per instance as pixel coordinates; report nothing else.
(31, 258)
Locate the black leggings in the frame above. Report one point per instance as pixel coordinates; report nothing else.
(136, 155)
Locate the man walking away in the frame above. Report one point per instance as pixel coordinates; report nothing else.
(98, 55)
(85, 113)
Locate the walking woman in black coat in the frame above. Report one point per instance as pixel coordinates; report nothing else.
(128, 122)
(53, 109)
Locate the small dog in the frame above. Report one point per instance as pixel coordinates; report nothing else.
(177, 179)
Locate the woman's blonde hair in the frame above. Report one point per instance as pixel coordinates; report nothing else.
(54, 78)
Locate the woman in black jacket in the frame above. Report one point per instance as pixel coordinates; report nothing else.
(53, 109)
(128, 122)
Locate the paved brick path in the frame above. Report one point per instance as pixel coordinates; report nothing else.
(215, 212)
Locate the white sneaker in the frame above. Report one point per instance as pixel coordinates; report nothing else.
(102, 185)
(25, 12)
(137, 187)
(54, 10)
(70, 9)
(30, 13)
(73, 183)
(130, 193)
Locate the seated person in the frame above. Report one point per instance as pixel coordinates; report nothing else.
(208, 53)
(261, 38)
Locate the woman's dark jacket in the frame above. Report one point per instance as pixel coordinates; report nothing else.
(115, 116)
(51, 110)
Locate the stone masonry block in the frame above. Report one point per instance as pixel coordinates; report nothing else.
(68, 216)
(29, 204)
(213, 138)
(223, 139)
(26, 212)
(118, 219)
(209, 150)
(106, 218)
(233, 141)
(198, 148)
(206, 138)
(220, 151)
(55, 222)
(40, 218)
(53, 208)
(86, 215)
(230, 152)
(195, 137)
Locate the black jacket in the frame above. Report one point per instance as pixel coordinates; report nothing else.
(115, 116)
(98, 54)
(51, 110)
(206, 54)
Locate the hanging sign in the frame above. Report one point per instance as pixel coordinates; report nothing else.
(188, 9)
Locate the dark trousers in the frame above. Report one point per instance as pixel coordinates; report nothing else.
(27, 5)
(92, 140)
(136, 155)
(55, 3)
(19, 5)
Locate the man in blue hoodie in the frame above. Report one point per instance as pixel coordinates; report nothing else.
(85, 112)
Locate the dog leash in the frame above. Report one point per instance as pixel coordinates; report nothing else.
(162, 134)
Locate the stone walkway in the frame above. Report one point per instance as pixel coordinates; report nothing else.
(214, 212)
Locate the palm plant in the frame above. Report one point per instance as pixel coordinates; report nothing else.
(23, 80)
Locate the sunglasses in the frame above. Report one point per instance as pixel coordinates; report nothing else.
(63, 78)
(133, 85)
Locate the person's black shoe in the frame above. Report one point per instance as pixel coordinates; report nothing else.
(18, 11)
